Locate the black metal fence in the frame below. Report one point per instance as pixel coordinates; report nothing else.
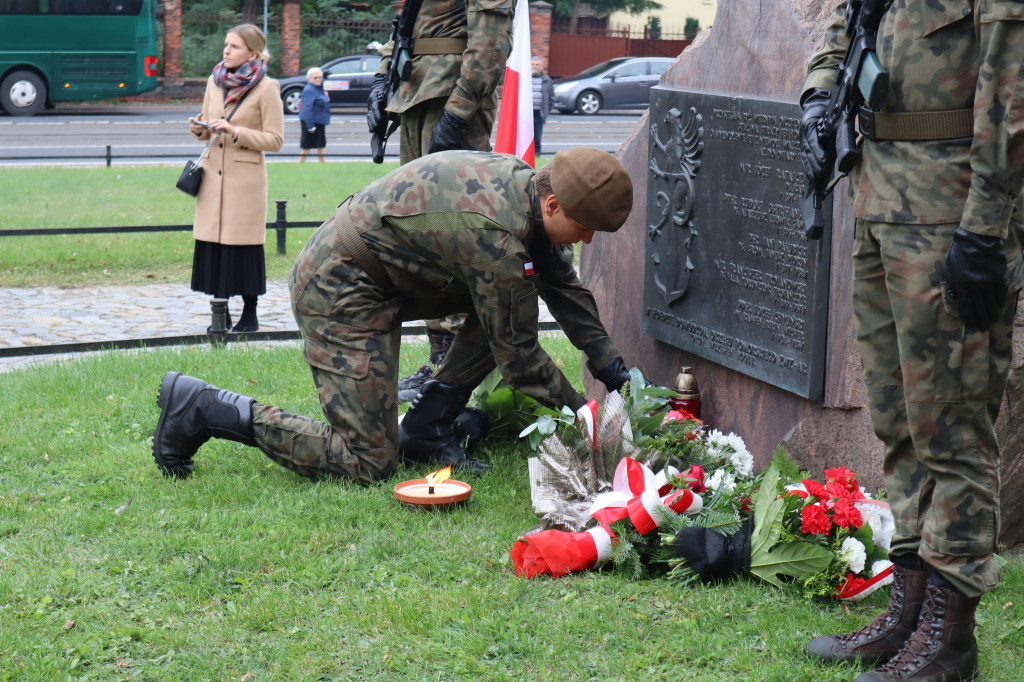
(280, 225)
(322, 38)
(107, 155)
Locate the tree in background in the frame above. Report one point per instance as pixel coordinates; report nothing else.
(602, 8)
(324, 33)
(653, 28)
(692, 27)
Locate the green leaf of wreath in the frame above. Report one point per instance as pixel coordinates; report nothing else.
(768, 559)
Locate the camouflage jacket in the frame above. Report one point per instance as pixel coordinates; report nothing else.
(469, 79)
(943, 55)
(461, 231)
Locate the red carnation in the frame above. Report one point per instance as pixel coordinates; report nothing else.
(817, 489)
(850, 586)
(837, 491)
(814, 520)
(846, 515)
(678, 416)
(846, 478)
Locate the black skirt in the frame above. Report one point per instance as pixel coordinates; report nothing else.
(313, 140)
(223, 270)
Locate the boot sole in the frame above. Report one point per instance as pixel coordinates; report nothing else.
(162, 396)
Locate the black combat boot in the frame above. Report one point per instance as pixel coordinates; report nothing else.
(943, 647)
(426, 435)
(883, 637)
(191, 412)
(409, 387)
(440, 342)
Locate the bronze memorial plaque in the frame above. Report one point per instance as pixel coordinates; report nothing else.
(729, 274)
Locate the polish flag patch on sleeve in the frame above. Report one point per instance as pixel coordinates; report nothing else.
(528, 268)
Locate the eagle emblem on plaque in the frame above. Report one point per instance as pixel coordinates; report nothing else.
(674, 162)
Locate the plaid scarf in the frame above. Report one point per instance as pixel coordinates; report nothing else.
(244, 78)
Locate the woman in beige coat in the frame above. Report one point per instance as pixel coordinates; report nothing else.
(231, 210)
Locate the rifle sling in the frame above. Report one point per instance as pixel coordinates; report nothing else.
(359, 251)
(916, 125)
(439, 46)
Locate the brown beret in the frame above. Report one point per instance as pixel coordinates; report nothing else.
(592, 188)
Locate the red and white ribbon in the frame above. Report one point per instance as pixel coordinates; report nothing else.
(855, 590)
(638, 494)
(557, 552)
(588, 418)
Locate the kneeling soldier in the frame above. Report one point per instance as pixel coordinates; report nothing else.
(458, 231)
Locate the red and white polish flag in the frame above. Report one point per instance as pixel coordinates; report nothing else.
(515, 113)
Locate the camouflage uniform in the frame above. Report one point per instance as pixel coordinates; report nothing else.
(934, 389)
(464, 84)
(455, 232)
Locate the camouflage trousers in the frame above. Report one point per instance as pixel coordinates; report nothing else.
(417, 126)
(934, 392)
(351, 334)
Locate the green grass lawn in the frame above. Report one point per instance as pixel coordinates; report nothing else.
(99, 197)
(248, 572)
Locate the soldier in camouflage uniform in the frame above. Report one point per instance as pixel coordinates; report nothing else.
(471, 232)
(937, 270)
(450, 98)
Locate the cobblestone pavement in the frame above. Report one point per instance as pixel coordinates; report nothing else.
(47, 316)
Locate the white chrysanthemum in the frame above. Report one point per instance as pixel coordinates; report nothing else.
(852, 552)
(734, 449)
(865, 493)
(717, 443)
(879, 566)
(873, 520)
(721, 480)
(743, 461)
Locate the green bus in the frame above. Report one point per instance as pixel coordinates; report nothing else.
(74, 50)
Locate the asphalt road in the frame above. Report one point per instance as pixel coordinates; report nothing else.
(158, 133)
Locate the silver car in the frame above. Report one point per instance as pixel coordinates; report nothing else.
(617, 83)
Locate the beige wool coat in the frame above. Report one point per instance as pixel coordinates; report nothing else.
(232, 204)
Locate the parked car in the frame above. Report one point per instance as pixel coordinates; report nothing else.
(347, 82)
(616, 83)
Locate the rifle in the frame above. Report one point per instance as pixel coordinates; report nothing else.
(399, 70)
(861, 82)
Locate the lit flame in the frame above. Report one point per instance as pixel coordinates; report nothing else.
(436, 477)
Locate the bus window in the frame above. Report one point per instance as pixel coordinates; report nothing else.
(22, 6)
(126, 7)
(75, 50)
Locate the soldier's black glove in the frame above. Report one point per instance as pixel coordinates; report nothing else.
(976, 278)
(377, 102)
(712, 555)
(817, 139)
(449, 133)
(613, 375)
(470, 427)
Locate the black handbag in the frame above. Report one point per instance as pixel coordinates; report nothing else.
(191, 177)
(192, 174)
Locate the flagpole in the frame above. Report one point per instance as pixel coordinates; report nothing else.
(514, 131)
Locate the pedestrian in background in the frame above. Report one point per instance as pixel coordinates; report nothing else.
(543, 91)
(314, 115)
(231, 209)
(448, 102)
(936, 272)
